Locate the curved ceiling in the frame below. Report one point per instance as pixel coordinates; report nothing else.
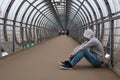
(55, 14)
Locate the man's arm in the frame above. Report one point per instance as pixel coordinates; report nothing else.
(83, 46)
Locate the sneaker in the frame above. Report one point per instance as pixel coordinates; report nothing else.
(63, 62)
(66, 66)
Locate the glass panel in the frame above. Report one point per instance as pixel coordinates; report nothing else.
(37, 19)
(57, 0)
(95, 8)
(103, 7)
(90, 10)
(77, 2)
(38, 2)
(86, 13)
(106, 33)
(116, 5)
(43, 8)
(116, 41)
(112, 6)
(13, 9)
(84, 17)
(27, 14)
(32, 16)
(1, 11)
(22, 10)
(4, 4)
(36, 16)
(1, 2)
(30, 1)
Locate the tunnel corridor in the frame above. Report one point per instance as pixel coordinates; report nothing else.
(27, 24)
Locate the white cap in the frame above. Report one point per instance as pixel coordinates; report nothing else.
(88, 33)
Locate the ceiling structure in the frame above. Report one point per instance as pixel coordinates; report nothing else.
(27, 20)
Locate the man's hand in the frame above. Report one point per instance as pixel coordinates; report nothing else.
(71, 56)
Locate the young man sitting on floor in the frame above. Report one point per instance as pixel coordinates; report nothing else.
(91, 49)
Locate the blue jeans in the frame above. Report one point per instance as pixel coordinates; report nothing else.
(88, 55)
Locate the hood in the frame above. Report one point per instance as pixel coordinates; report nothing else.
(88, 34)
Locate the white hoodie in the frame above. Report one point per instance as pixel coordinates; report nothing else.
(94, 45)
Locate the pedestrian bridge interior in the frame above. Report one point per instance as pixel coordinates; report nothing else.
(30, 44)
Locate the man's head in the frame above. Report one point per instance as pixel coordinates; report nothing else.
(88, 34)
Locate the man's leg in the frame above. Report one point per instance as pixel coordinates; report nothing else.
(92, 59)
(88, 55)
(77, 58)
